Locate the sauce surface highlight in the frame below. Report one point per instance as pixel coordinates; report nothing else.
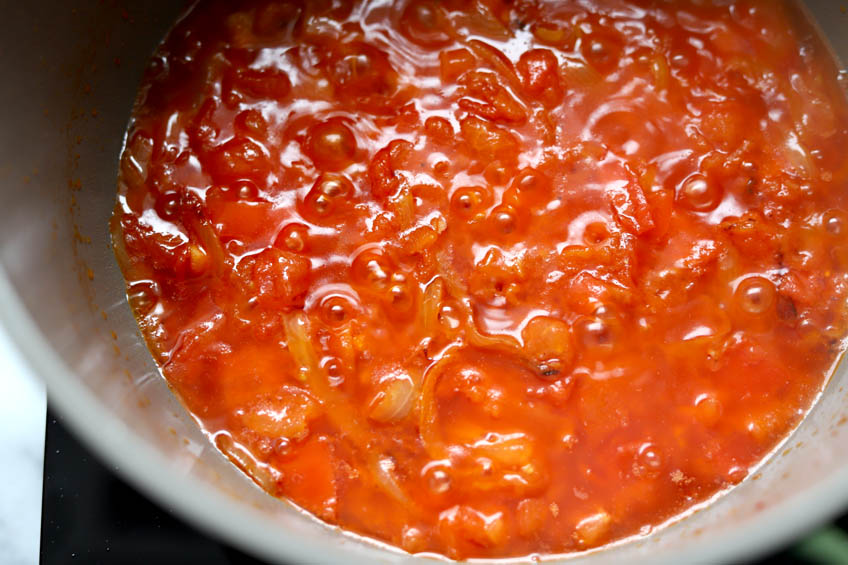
(490, 278)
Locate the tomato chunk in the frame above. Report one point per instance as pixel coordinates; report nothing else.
(490, 279)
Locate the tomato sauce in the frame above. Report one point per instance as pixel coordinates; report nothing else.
(488, 278)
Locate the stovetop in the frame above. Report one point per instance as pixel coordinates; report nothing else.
(89, 515)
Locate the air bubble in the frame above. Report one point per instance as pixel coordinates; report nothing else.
(332, 187)
(449, 317)
(755, 295)
(400, 297)
(834, 222)
(328, 196)
(336, 308)
(648, 459)
(700, 194)
(595, 233)
(437, 477)
(708, 409)
(595, 333)
(168, 206)
(321, 204)
(246, 190)
(371, 268)
(376, 273)
(293, 238)
(504, 219)
(143, 296)
(469, 201)
(332, 145)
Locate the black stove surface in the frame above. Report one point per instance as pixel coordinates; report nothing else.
(89, 515)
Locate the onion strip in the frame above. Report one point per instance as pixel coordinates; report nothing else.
(211, 244)
(427, 410)
(300, 346)
(340, 414)
(431, 304)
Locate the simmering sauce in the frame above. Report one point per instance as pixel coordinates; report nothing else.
(490, 278)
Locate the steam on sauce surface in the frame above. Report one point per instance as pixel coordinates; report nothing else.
(490, 278)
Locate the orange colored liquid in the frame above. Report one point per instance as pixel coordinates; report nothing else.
(484, 278)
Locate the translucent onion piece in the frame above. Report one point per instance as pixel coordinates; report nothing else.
(263, 475)
(301, 348)
(339, 412)
(384, 469)
(431, 304)
(428, 411)
(394, 399)
(403, 206)
(211, 245)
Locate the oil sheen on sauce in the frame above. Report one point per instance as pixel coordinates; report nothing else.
(488, 278)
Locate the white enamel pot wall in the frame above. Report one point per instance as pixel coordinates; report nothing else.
(70, 73)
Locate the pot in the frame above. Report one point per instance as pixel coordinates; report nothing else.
(72, 70)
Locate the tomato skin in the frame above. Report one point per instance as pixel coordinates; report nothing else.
(539, 71)
(383, 169)
(274, 278)
(239, 158)
(487, 141)
(455, 63)
(489, 278)
(489, 99)
(631, 207)
(259, 83)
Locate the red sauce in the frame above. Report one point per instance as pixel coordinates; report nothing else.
(490, 278)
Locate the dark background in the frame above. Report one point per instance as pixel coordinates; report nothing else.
(89, 515)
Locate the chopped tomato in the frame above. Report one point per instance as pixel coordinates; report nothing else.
(490, 279)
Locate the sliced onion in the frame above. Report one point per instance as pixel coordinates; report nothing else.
(515, 450)
(384, 469)
(403, 206)
(302, 350)
(211, 245)
(266, 476)
(478, 338)
(394, 399)
(428, 411)
(431, 304)
(337, 410)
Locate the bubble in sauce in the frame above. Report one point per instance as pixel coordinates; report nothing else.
(293, 237)
(708, 409)
(648, 460)
(437, 476)
(168, 205)
(331, 145)
(504, 219)
(834, 222)
(143, 296)
(246, 190)
(699, 193)
(469, 201)
(372, 268)
(595, 333)
(755, 295)
(337, 308)
(329, 196)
